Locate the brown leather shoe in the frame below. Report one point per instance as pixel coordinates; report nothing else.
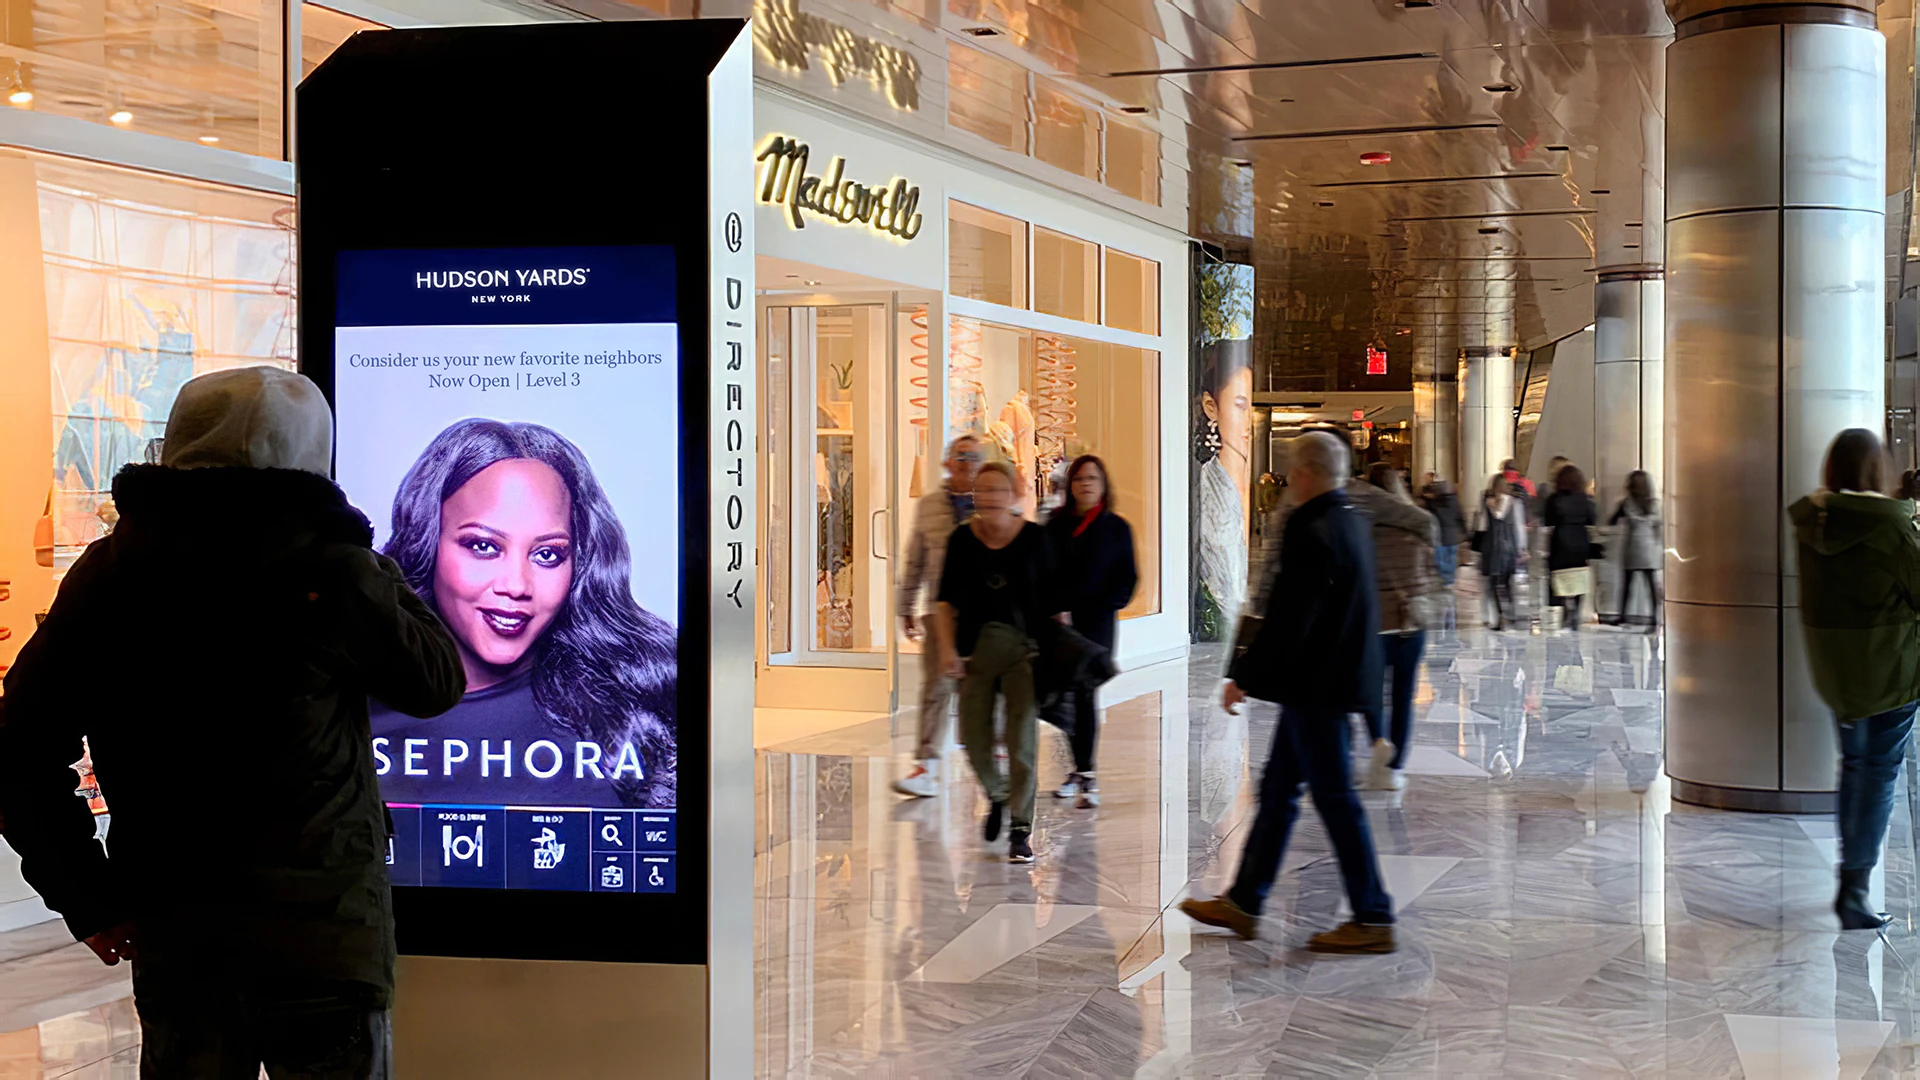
(1222, 912)
(1353, 937)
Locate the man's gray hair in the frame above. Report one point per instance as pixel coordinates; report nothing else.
(960, 440)
(1323, 453)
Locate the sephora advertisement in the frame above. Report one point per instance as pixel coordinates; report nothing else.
(510, 420)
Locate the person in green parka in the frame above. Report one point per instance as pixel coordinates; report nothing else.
(1860, 609)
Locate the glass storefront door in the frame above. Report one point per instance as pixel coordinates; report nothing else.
(847, 400)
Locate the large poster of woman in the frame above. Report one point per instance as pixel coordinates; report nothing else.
(1223, 445)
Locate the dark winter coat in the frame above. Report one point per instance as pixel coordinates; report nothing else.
(1859, 600)
(1318, 646)
(1444, 504)
(1570, 514)
(218, 649)
(1097, 571)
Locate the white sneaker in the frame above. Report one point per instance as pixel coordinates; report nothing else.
(1377, 771)
(920, 783)
(1089, 792)
(1070, 788)
(1396, 779)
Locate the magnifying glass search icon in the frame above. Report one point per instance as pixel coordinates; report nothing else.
(610, 832)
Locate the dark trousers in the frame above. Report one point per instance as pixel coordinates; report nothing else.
(1627, 578)
(1500, 591)
(1870, 754)
(1311, 747)
(1097, 627)
(193, 1027)
(1402, 653)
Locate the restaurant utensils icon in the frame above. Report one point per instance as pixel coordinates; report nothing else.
(463, 848)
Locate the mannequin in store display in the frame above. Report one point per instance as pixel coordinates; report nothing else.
(1000, 433)
(1018, 416)
(277, 948)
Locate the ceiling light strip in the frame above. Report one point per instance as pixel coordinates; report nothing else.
(1355, 133)
(1576, 211)
(1440, 180)
(1278, 65)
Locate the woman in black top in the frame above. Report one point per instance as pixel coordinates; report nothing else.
(1569, 513)
(995, 588)
(1094, 547)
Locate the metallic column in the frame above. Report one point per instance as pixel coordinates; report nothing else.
(1486, 413)
(1776, 161)
(1628, 391)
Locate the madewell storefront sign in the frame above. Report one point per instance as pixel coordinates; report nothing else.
(889, 208)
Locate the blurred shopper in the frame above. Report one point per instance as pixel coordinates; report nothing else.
(1500, 542)
(997, 586)
(1444, 504)
(1517, 481)
(1569, 518)
(1403, 539)
(248, 881)
(1859, 558)
(1093, 547)
(1317, 654)
(1640, 544)
(935, 515)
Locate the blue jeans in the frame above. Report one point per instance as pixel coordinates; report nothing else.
(1446, 558)
(1871, 751)
(1311, 746)
(1402, 653)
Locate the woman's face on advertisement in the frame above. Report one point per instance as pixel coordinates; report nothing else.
(505, 564)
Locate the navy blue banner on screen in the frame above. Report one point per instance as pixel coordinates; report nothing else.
(521, 286)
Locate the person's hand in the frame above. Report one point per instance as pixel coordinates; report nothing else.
(1064, 618)
(1231, 697)
(114, 944)
(956, 667)
(911, 627)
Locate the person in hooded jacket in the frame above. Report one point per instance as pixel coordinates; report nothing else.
(1860, 612)
(248, 881)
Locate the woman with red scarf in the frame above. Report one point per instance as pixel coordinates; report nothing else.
(1093, 551)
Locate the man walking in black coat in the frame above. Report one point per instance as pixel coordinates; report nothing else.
(1318, 656)
(216, 651)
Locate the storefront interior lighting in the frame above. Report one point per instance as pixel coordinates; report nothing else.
(1280, 417)
(121, 117)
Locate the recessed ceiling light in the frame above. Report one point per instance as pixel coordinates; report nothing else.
(1600, 191)
(122, 117)
(1286, 101)
(1376, 157)
(1134, 110)
(1631, 247)
(22, 96)
(810, 281)
(1633, 224)
(1489, 230)
(1323, 203)
(1499, 88)
(1559, 149)
(981, 31)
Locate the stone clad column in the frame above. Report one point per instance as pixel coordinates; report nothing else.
(1486, 414)
(1776, 160)
(1628, 396)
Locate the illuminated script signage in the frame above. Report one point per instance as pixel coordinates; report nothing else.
(784, 181)
(786, 34)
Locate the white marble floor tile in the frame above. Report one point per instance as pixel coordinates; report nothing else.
(1806, 1048)
(1433, 761)
(1003, 933)
(1452, 713)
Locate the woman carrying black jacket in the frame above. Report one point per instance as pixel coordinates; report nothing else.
(1093, 549)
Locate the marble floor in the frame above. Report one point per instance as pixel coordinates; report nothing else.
(1560, 914)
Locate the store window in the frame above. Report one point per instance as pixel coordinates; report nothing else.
(986, 255)
(1133, 293)
(1066, 276)
(205, 71)
(149, 281)
(1066, 132)
(987, 96)
(1041, 400)
(323, 30)
(1133, 161)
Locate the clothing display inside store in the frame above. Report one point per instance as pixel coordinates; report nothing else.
(1042, 399)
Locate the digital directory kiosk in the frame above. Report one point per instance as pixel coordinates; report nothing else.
(526, 285)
